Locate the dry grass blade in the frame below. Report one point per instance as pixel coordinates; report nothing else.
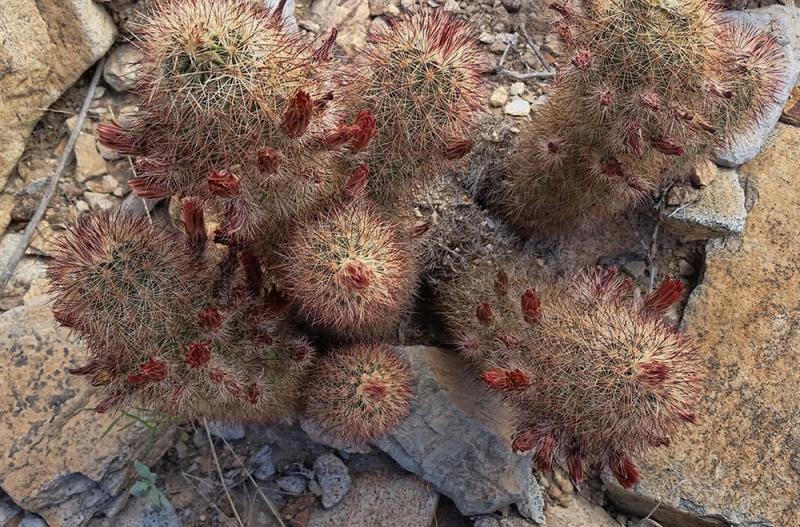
(219, 472)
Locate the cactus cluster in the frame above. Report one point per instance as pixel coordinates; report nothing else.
(645, 89)
(593, 376)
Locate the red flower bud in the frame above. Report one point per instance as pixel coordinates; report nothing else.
(253, 393)
(632, 138)
(340, 136)
(531, 306)
(652, 374)
(177, 395)
(151, 371)
(457, 148)
(365, 130)
(148, 187)
(544, 454)
(194, 226)
(323, 53)
(582, 60)
(511, 380)
(612, 169)
(575, 466)
(523, 441)
(650, 100)
(484, 313)
(509, 341)
(357, 183)
(297, 115)
(224, 183)
(624, 470)
(688, 417)
(268, 160)
(209, 318)
(606, 97)
(355, 274)
(226, 382)
(668, 293)
(667, 147)
(198, 354)
(116, 138)
(300, 352)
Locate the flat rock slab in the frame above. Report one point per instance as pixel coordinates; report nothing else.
(382, 498)
(456, 438)
(59, 459)
(741, 463)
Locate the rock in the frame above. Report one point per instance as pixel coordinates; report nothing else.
(46, 47)
(105, 185)
(351, 17)
(718, 212)
(791, 110)
(682, 194)
(784, 23)
(517, 107)
(703, 173)
(486, 38)
(517, 89)
(88, 161)
(139, 512)
(81, 206)
(308, 25)
(499, 97)
(382, 498)
(512, 6)
(685, 268)
(486, 521)
(635, 268)
(60, 461)
(97, 201)
(578, 513)
(227, 431)
(264, 468)
(451, 6)
(741, 462)
(376, 7)
(320, 436)
(292, 484)
(121, 70)
(32, 520)
(6, 205)
(456, 438)
(333, 479)
(8, 509)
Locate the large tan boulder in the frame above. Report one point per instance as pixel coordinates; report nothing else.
(58, 458)
(45, 47)
(741, 462)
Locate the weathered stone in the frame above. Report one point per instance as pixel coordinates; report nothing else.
(292, 484)
(60, 460)
(122, 70)
(8, 509)
(517, 107)
(351, 18)
(741, 462)
(227, 431)
(98, 201)
(517, 89)
(719, 210)
(784, 23)
(261, 461)
(382, 498)
(139, 512)
(456, 438)
(791, 110)
(499, 97)
(88, 161)
(578, 513)
(333, 479)
(46, 47)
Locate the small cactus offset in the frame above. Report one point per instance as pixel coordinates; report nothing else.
(171, 326)
(421, 81)
(644, 91)
(359, 393)
(349, 272)
(593, 376)
(233, 110)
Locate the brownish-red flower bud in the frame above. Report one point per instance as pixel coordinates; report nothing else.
(667, 294)
(563, 31)
(582, 60)
(194, 226)
(209, 318)
(652, 374)
(297, 115)
(151, 371)
(114, 137)
(323, 53)
(268, 160)
(86, 369)
(575, 466)
(545, 452)
(226, 382)
(198, 354)
(112, 400)
(484, 313)
(148, 187)
(650, 100)
(457, 148)
(366, 129)
(531, 306)
(300, 352)
(357, 182)
(509, 341)
(341, 135)
(500, 379)
(523, 441)
(624, 470)
(612, 169)
(253, 393)
(501, 283)
(667, 146)
(264, 337)
(224, 183)
(606, 97)
(355, 274)
(632, 137)
(470, 344)
(658, 441)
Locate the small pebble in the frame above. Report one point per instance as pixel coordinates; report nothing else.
(518, 108)
(636, 268)
(685, 268)
(262, 461)
(499, 97)
(292, 484)
(228, 431)
(333, 478)
(517, 89)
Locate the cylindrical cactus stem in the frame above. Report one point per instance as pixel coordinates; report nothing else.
(592, 375)
(349, 272)
(359, 393)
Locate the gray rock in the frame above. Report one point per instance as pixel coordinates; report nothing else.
(32, 520)
(382, 498)
(139, 512)
(98, 201)
(319, 436)
(333, 478)
(292, 484)
(486, 521)
(456, 438)
(784, 23)
(121, 70)
(261, 461)
(719, 212)
(635, 268)
(227, 431)
(27, 200)
(46, 47)
(8, 509)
